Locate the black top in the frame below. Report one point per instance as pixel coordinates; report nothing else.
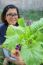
(3, 29)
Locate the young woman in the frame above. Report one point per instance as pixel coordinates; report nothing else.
(10, 16)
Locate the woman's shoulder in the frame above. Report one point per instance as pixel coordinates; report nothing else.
(3, 28)
(2, 33)
(2, 25)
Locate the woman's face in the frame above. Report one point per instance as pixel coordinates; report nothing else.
(11, 16)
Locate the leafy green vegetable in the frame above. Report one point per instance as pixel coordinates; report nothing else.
(21, 22)
(31, 39)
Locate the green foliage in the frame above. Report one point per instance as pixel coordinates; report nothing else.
(31, 39)
(32, 14)
(21, 22)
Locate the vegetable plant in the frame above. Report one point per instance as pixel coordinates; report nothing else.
(29, 37)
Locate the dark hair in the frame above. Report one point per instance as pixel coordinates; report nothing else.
(4, 13)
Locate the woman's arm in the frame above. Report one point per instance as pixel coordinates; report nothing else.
(2, 39)
(3, 29)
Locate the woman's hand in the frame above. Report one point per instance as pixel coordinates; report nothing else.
(19, 60)
(15, 53)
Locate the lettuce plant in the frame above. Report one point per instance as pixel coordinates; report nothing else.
(29, 37)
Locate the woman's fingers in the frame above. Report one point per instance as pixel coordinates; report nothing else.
(15, 53)
(17, 56)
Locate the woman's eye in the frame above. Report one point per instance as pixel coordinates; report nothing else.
(9, 14)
